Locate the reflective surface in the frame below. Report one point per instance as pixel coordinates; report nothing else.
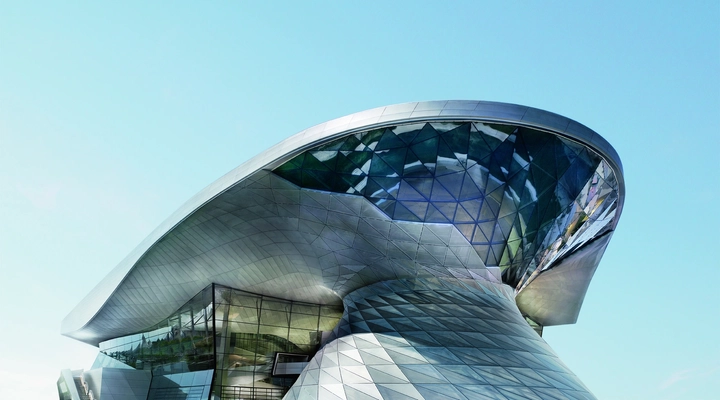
(270, 237)
(83, 322)
(435, 339)
(413, 216)
(521, 197)
(252, 330)
(235, 333)
(183, 342)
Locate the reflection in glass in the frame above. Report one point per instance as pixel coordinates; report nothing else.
(253, 329)
(239, 334)
(522, 197)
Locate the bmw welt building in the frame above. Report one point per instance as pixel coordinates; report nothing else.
(414, 251)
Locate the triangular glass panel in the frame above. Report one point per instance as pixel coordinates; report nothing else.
(374, 190)
(478, 148)
(424, 186)
(413, 167)
(479, 175)
(346, 166)
(564, 156)
(317, 180)
(446, 162)
(386, 206)
(502, 157)
(427, 150)
(466, 230)
(378, 167)
(352, 143)
(294, 163)
(458, 139)
(403, 214)
(395, 158)
(407, 192)
(506, 129)
(472, 207)
(312, 163)
(521, 155)
(533, 139)
(292, 175)
(419, 208)
(461, 215)
(544, 158)
(350, 182)
(498, 248)
(469, 189)
(335, 145)
(389, 141)
(427, 132)
(360, 159)
(489, 209)
(491, 259)
(517, 181)
(407, 133)
(439, 193)
(507, 207)
(328, 158)
(371, 138)
(491, 135)
(483, 232)
(434, 215)
(452, 183)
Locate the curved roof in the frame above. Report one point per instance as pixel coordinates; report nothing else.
(256, 231)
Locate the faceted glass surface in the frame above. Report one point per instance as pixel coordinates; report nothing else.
(520, 196)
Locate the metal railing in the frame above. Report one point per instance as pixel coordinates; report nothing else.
(255, 393)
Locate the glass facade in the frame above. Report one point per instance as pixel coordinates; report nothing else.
(252, 342)
(183, 342)
(520, 196)
(253, 330)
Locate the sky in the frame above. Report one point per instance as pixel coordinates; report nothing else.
(114, 114)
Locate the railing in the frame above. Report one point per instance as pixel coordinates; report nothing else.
(178, 393)
(255, 393)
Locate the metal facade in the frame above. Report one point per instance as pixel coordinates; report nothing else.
(454, 205)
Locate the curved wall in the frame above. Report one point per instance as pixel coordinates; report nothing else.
(220, 235)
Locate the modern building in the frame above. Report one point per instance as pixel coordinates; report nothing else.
(405, 252)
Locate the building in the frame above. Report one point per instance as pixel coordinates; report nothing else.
(409, 251)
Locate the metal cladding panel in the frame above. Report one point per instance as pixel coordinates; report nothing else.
(269, 237)
(135, 298)
(555, 297)
(435, 339)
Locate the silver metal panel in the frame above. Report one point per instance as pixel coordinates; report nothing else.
(267, 236)
(556, 295)
(435, 339)
(162, 285)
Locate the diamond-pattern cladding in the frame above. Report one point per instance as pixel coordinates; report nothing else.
(435, 339)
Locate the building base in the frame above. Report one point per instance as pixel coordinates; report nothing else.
(435, 339)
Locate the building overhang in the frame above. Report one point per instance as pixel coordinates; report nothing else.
(134, 297)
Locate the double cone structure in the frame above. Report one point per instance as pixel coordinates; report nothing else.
(405, 252)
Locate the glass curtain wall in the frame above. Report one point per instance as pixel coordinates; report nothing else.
(239, 334)
(253, 332)
(522, 197)
(183, 342)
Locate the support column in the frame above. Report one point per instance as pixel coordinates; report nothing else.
(435, 339)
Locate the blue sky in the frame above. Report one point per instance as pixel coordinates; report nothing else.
(112, 115)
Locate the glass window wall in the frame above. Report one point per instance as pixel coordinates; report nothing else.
(236, 333)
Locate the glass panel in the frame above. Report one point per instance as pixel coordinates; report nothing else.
(493, 169)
